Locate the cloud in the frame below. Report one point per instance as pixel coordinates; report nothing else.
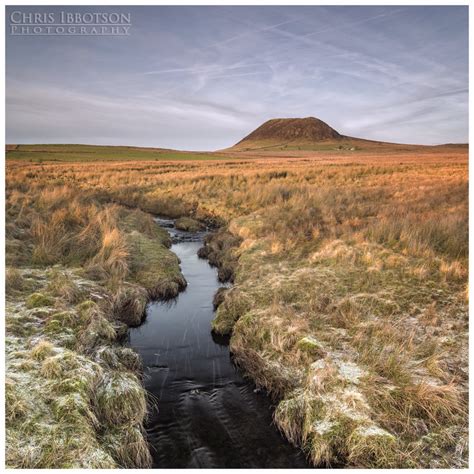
(203, 77)
(60, 113)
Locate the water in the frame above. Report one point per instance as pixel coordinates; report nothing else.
(209, 416)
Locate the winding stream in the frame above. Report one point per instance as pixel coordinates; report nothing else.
(209, 415)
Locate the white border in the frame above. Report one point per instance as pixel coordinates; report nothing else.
(211, 3)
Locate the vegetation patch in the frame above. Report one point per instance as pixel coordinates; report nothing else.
(219, 250)
(61, 368)
(349, 302)
(154, 267)
(188, 224)
(38, 300)
(341, 346)
(82, 275)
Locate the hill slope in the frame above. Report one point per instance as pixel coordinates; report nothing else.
(310, 134)
(307, 129)
(286, 131)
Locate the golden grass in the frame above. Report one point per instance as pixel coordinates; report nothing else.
(350, 275)
(75, 282)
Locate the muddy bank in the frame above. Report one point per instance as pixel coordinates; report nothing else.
(208, 415)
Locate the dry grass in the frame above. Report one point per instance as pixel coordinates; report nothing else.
(75, 282)
(350, 275)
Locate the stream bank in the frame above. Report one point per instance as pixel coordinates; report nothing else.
(207, 414)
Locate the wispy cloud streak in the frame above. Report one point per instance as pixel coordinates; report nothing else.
(203, 77)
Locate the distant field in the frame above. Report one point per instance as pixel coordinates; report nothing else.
(358, 149)
(42, 153)
(354, 146)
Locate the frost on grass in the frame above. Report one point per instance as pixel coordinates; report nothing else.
(119, 399)
(350, 372)
(75, 398)
(72, 397)
(350, 342)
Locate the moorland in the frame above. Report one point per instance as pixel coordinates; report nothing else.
(349, 303)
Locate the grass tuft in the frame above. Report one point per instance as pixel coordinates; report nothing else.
(120, 399)
(127, 444)
(38, 300)
(42, 350)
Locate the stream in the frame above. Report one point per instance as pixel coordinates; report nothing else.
(208, 415)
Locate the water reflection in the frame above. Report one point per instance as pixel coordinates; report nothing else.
(208, 414)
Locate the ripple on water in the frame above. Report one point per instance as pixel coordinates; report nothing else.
(207, 415)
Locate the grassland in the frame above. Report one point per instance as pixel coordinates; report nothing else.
(92, 153)
(79, 272)
(349, 302)
(347, 145)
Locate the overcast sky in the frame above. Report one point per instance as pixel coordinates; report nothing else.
(203, 77)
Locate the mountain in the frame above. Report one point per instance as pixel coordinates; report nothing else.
(307, 130)
(309, 134)
(290, 131)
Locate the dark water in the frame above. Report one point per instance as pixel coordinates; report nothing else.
(209, 416)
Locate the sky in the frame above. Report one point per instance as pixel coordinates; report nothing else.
(201, 78)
